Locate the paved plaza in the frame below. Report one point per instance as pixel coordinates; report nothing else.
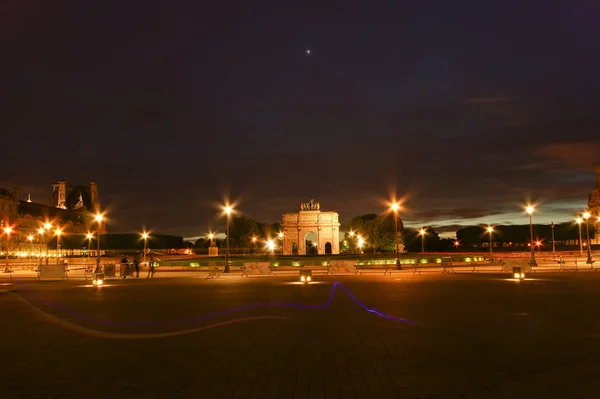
(443, 336)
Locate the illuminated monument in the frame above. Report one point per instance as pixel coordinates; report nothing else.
(313, 226)
(594, 207)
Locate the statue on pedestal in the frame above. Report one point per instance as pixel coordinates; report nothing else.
(311, 205)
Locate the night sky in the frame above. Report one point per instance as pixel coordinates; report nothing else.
(466, 108)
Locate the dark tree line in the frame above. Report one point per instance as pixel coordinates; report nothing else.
(379, 232)
(474, 236)
(241, 231)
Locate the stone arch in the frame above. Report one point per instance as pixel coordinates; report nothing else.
(311, 242)
(311, 219)
(328, 248)
(294, 248)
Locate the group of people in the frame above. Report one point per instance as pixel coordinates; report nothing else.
(128, 269)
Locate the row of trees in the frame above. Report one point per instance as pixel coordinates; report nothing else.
(378, 234)
(241, 231)
(474, 236)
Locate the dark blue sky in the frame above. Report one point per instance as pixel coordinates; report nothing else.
(467, 107)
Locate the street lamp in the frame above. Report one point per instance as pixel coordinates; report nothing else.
(271, 246)
(89, 237)
(7, 231)
(422, 232)
(145, 237)
(586, 216)
(579, 220)
(553, 243)
(490, 230)
(360, 244)
(42, 233)
(58, 232)
(30, 239)
(530, 209)
(228, 209)
(98, 218)
(395, 208)
(280, 235)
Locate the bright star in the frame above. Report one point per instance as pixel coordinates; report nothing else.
(307, 51)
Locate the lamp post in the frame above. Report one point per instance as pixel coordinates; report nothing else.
(281, 236)
(395, 208)
(586, 216)
(490, 230)
(271, 246)
(553, 243)
(47, 227)
(89, 237)
(228, 209)
(98, 218)
(422, 233)
(30, 239)
(41, 240)
(254, 238)
(58, 232)
(579, 221)
(360, 244)
(7, 232)
(530, 209)
(145, 237)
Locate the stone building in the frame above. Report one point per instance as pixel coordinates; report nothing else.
(594, 207)
(318, 228)
(33, 224)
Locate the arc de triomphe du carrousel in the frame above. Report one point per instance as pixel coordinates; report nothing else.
(321, 229)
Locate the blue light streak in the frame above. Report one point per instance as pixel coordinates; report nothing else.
(296, 305)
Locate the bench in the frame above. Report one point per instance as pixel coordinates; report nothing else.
(214, 271)
(283, 269)
(327, 269)
(360, 269)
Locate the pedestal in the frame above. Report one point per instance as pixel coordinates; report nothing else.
(213, 251)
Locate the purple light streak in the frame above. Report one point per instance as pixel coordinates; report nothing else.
(224, 311)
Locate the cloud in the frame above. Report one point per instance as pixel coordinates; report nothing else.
(583, 155)
(454, 213)
(487, 100)
(447, 230)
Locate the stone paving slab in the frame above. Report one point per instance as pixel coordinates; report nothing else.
(477, 336)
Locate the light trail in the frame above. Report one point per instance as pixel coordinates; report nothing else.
(226, 311)
(90, 332)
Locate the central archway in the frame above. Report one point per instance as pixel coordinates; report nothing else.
(328, 248)
(310, 240)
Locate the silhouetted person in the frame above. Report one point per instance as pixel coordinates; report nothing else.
(151, 267)
(136, 264)
(124, 267)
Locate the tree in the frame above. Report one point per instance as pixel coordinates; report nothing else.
(241, 231)
(413, 240)
(361, 226)
(378, 232)
(384, 233)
